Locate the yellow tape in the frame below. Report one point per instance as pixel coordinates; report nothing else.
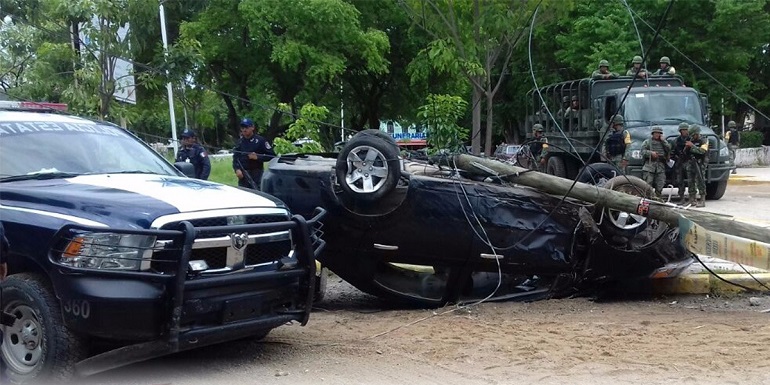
(732, 248)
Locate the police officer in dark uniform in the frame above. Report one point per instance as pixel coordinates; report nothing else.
(192, 152)
(249, 156)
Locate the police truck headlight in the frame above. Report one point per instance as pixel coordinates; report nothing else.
(724, 151)
(108, 251)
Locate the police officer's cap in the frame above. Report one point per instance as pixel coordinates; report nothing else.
(657, 129)
(637, 60)
(684, 126)
(665, 59)
(188, 133)
(246, 122)
(731, 124)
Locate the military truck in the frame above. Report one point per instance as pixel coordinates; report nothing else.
(663, 101)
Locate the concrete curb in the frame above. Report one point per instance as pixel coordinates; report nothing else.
(746, 180)
(705, 283)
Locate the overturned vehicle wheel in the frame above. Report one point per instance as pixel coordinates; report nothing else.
(368, 168)
(619, 226)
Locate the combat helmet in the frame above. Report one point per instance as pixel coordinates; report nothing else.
(537, 127)
(694, 130)
(657, 129)
(684, 126)
(731, 124)
(666, 60)
(637, 60)
(618, 119)
(604, 63)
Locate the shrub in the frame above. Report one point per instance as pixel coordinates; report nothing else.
(751, 139)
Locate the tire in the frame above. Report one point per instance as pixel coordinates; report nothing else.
(597, 174)
(556, 167)
(615, 223)
(572, 166)
(368, 168)
(716, 190)
(319, 291)
(39, 347)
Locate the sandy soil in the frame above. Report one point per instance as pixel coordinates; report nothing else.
(354, 338)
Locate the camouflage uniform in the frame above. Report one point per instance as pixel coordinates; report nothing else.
(655, 152)
(696, 166)
(617, 144)
(680, 165)
(538, 148)
(733, 139)
(668, 69)
(599, 75)
(638, 72)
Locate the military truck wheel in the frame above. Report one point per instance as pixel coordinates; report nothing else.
(556, 167)
(38, 347)
(621, 224)
(368, 168)
(716, 190)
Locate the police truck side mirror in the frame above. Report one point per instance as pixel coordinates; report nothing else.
(186, 168)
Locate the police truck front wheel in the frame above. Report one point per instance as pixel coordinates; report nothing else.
(556, 167)
(38, 347)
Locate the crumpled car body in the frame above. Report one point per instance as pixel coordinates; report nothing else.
(427, 243)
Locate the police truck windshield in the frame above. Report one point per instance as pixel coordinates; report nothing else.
(65, 147)
(663, 106)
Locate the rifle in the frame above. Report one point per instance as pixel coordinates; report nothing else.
(244, 171)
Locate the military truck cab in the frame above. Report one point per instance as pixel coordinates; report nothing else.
(576, 114)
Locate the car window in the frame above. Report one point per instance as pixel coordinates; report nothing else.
(80, 148)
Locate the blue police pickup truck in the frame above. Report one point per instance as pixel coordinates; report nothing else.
(111, 245)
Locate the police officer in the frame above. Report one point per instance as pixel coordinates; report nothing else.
(665, 67)
(680, 162)
(733, 138)
(603, 72)
(636, 69)
(192, 152)
(538, 147)
(250, 153)
(695, 153)
(617, 144)
(655, 152)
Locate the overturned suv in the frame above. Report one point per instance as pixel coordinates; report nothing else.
(111, 245)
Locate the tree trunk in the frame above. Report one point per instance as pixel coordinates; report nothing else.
(476, 130)
(488, 149)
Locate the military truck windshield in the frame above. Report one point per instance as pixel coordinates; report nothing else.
(48, 149)
(663, 106)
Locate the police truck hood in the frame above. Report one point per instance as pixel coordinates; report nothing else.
(133, 200)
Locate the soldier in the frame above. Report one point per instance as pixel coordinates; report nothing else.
(695, 152)
(655, 152)
(603, 72)
(636, 69)
(733, 138)
(251, 151)
(564, 107)
(192, 152)
(538, 148)
(680, 165)
(665, 67)
(617, 144)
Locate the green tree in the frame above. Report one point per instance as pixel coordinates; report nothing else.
(440, 115)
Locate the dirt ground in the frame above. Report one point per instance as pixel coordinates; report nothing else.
(354, 338)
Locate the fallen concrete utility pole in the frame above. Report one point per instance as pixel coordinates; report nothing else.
(608, 198)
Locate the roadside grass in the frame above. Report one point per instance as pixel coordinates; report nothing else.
(222, 171)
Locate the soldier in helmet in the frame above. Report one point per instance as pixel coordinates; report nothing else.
(538, 148)
(192, 152)
(603, 72)
(733, 138)
(617, 144)
(636, 69)
(564, 107)
(680, 165)
(695, 155)
(655, 152)
(665, 67)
